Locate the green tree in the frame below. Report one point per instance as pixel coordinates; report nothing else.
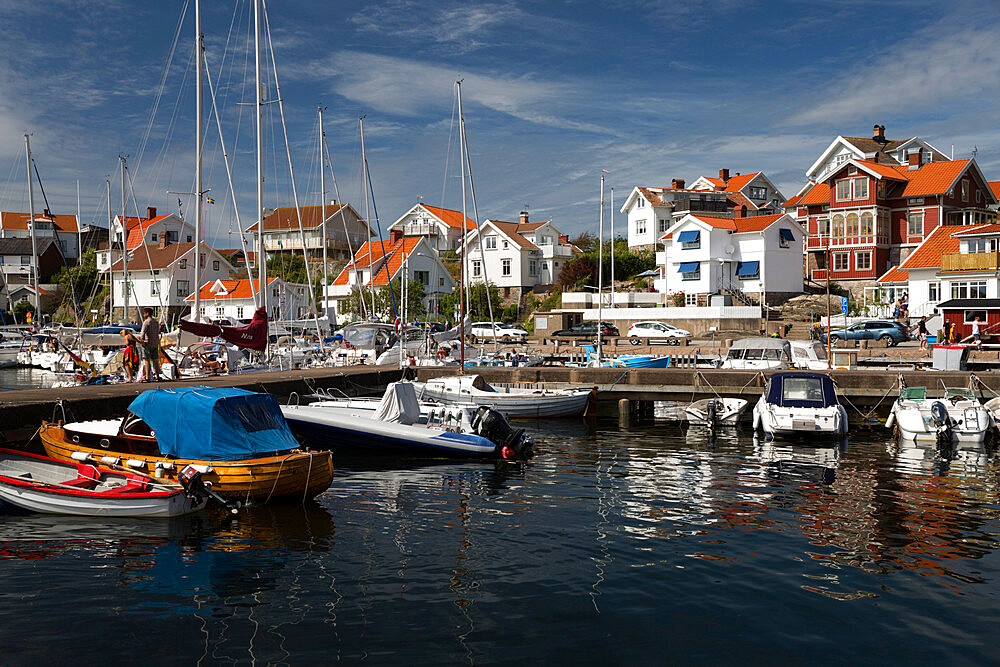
(585, 242)
(288, 266)
(21, 308)
(478, 305)
(83, 277)
(388, 302)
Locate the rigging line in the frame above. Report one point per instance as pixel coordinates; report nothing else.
(464, 138)
(229, 178)
(343, 220)
(149, 260)
(385, 260)
(162, 84)
(291, 175)
(161, 157)
(55, 234)
(14, 173)
(447, 154)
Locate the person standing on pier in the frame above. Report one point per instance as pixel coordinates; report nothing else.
(922, 332)
(149, 336)
(130, 355)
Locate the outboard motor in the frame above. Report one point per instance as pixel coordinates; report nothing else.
(492, 425)
(197, 488)
(710, 413)
(939, 413)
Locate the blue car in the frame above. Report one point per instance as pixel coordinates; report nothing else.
(891, 333)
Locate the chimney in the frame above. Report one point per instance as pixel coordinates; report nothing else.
(150, 212)
(878, 134)
(724, 175)
(524, 217)
(395, 235)
(677, 184)
(164, 240)
(913, 160)
(46, 214)
(564, 239)
(740, 211)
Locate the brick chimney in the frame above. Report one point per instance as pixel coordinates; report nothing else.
(395, 235)
(724, 175)
(150, 212)
(677, 184)
(164, 240)
(878, 134)
(524, 217)
(564, 239)
(740, 211)
(913, 160)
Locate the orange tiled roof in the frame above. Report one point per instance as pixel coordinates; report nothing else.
(740, 181)
(995, 187)
(389, 268)
(285, 217)
(651, 196)
(933, 178)
(449, 217)
(152, 256)
(927, 255)
(756, 223)
(794, 201)
(235, 289)
(894, 275)
(137, 229)
(818, 194)
(717, 222)
(993, 228)
(717, 182)
(883, 170)
(63, 223)
(738, 198)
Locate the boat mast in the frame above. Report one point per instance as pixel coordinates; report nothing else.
(461, 282)
(322, 197)
(34, 239)
(611, 210)
(600, 278)
(125, 285)
(262, 254)
(111, 257)
(829, 267)
(368, 219)
(199, 95)
(79, 230)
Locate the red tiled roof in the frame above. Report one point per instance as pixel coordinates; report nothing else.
(883, 170)
(137, 229)
(793, 201)
(63, 223)
(738, 182)
(515, 230)
(235, 289)
(995, 187)
(756, 223)
(739, 199)
(449, 217)
(285, 217)
(651, 196)
(938, 242)
(717, 222)
(992, 228)
(818, 194)
(717, 182)
(388, 270)
(894, 275)
(152, 256)
(933, 178)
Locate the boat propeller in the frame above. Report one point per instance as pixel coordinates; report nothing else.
(492, 425)
(197, 488)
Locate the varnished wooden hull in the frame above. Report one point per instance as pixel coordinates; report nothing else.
(290, 476)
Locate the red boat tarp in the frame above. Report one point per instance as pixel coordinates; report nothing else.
(253, 336)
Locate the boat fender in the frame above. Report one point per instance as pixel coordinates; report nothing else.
(756, 419)
(891, 419)
(81, 456)
(110, 460)
(135, 463)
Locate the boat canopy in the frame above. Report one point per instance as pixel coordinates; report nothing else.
(214, 423)
(761, 344)
(801, 390)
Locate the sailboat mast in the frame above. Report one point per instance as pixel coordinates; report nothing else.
(261, 253)
(111, 257)
(125, 285)
(79, 230)
(322, 197)
(368, 219)
(199, 98)
(461, 282)
(600, 281)
(611, 210)
(34, 239)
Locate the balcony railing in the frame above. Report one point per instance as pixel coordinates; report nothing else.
(714, 206)
(420, 229)
(977, 261)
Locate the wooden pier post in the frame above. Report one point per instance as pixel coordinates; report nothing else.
(624, 413)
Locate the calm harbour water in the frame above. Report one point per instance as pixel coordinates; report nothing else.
(644, 546)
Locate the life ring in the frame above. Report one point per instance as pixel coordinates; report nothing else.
(441, 354)
(396, 325)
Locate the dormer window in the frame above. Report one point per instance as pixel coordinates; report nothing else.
(640, 203)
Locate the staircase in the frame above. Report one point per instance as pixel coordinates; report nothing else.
(738, 294)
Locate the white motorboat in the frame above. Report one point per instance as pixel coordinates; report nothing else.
(809, 355)
(759, 354)
(398, 422)
(955, 418)
(716, 411)
(800, 404)
(511, 402)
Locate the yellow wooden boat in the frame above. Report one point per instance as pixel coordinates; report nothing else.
(237, 439)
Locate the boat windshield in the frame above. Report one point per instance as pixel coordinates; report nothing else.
(802, 389)
(365, 336)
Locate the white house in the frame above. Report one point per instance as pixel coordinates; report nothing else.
(750, 194)
(652, 211)
(63, 230)
(750, 258)
(386, 261)
(161, 277)
(517, 255)
(345, 230)
(144, 231)
(442, 227)
(235, 298)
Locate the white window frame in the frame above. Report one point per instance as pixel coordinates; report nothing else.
(690, 299)
(505, 267)
(154, 287)
(867, 255)
(640, 226)
(934, 291)
(847, 261)
(491, 242)
(477, 268)
(911, 220)
(183, 288)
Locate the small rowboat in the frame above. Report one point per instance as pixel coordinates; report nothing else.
(236, 439)
(43, 484)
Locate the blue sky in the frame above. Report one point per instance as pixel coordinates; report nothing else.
(553, 93)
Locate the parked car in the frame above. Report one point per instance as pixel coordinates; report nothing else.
(656, 331)
(588, 330)
(504, 332)
(891, 333)
(433, 327)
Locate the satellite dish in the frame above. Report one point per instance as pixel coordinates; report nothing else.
(730, 250)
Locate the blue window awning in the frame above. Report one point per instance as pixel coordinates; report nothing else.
(786, 234)
(689, 267)
(690, 236)
(747, 269)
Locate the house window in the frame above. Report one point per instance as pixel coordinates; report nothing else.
(982, 245)
(824, 226)
(640, 203)
(183, 263)
(183, 288)
(664, 225)
(915, 224)
(843, 190)
(861, 188)
(934, 292)
(220, 311)
(532, 267)
(154, 238)
(422, 277)
(863, 260)
(758, 192)
(215, 265)
(852, 224)
(841, 261)
(441, 282)
(154, 287)
(491, 243)
(640, 226)
(965, 190)
(692, 275)
(973, 315)
(690, 299)
(969, 290)
(189, 238)
(505, 267)
(505, 245)
(25, 260)
(838, 226)
(867, 224)
(239, 312)
(477, 268)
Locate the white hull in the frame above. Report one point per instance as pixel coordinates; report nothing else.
(46, 502)
(511, 402)
(913, 419)
(800, 422)
(729, 411)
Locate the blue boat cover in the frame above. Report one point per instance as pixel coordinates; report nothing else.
(747, 269)
(214, 423)
(689, 236)
(689, 267)
(786, 234)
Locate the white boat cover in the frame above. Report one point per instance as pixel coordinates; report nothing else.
(399, 404)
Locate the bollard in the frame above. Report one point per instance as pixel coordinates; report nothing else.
(624, 413)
